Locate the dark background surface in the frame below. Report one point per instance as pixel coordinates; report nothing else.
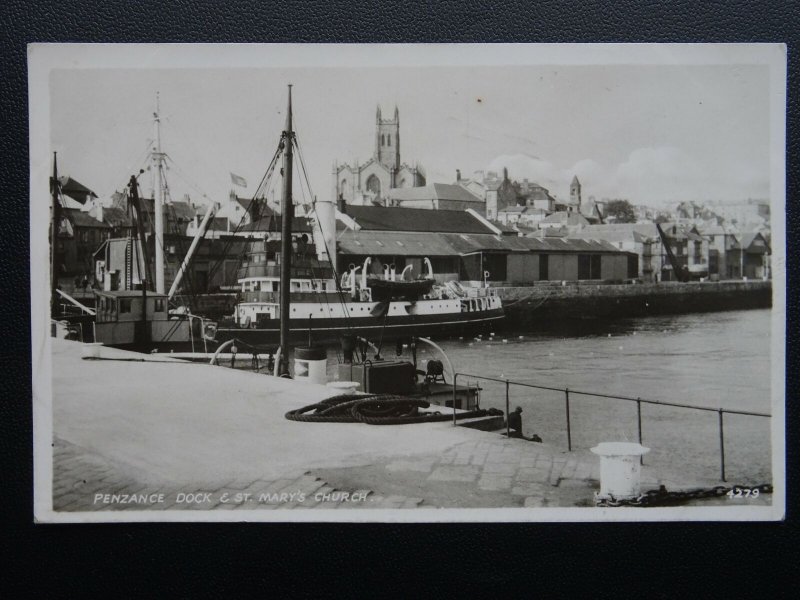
(341, 559)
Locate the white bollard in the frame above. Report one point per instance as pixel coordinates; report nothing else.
(348, 388)
(309, 365)
(620, 470)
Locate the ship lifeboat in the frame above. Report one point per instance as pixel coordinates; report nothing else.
(383, 289)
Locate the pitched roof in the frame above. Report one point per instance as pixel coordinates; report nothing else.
(383, 243)
(74, 189)
(273, 223)
(82, 219)
(619, 231)
(116, 217)
(434, 191)
(218, 224)
(374, 243)
(538, 193)
(566, 218)
(382, 218)
(747, 240)
(182, 211)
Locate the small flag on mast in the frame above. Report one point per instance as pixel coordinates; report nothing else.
(238, 180)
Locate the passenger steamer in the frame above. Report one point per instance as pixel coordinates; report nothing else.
(382, 306)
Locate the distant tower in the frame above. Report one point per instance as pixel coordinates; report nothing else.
(387, 140)
(575, 194)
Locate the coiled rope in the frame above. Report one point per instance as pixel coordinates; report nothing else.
(376, 409)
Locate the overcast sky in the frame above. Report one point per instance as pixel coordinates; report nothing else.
(653, 134)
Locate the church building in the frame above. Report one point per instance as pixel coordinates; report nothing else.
(370, 182)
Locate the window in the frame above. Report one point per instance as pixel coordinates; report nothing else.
(584, 266)
(596, 263)
(633, 266)
(159, 305)
(544, 267)
(698, 252)
(124, 305)
(383, 140)
(389, 140)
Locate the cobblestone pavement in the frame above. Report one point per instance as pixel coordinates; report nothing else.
(84, 481)
(492, 472)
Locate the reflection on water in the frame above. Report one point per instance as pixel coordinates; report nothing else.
(721, 360)
(718, 359)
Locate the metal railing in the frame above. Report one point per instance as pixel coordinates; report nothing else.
(639, 401)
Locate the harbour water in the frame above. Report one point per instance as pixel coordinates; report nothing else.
(718, 360)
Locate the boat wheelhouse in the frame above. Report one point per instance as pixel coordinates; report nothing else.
(130, 320)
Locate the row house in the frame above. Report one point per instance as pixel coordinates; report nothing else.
(733, 254)
(689, 248)
(79, 234)
(724, 252)
(754, 256)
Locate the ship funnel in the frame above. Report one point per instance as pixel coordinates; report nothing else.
(325, 230)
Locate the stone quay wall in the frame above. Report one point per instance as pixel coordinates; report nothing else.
(556, 301)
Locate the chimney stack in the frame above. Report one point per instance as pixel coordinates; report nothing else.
(458, 175)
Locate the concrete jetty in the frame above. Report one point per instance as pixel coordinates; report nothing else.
(153, 434)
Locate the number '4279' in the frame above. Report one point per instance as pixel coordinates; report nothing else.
(742, 492)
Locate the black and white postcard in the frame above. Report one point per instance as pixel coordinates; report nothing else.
(408, 283)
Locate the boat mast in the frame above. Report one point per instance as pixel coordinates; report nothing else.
(287, 212)
(54, 185)
(158, 165)
(142, 332)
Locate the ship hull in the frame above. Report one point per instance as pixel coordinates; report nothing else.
(371, 328)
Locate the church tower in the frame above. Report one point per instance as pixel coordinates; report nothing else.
(575, 194)
(387, 140)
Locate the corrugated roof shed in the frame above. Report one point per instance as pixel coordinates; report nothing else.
(382, 218)
(453, 244)
(394, 244)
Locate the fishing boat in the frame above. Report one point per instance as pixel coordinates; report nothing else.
(133, 312)
(376, 305)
